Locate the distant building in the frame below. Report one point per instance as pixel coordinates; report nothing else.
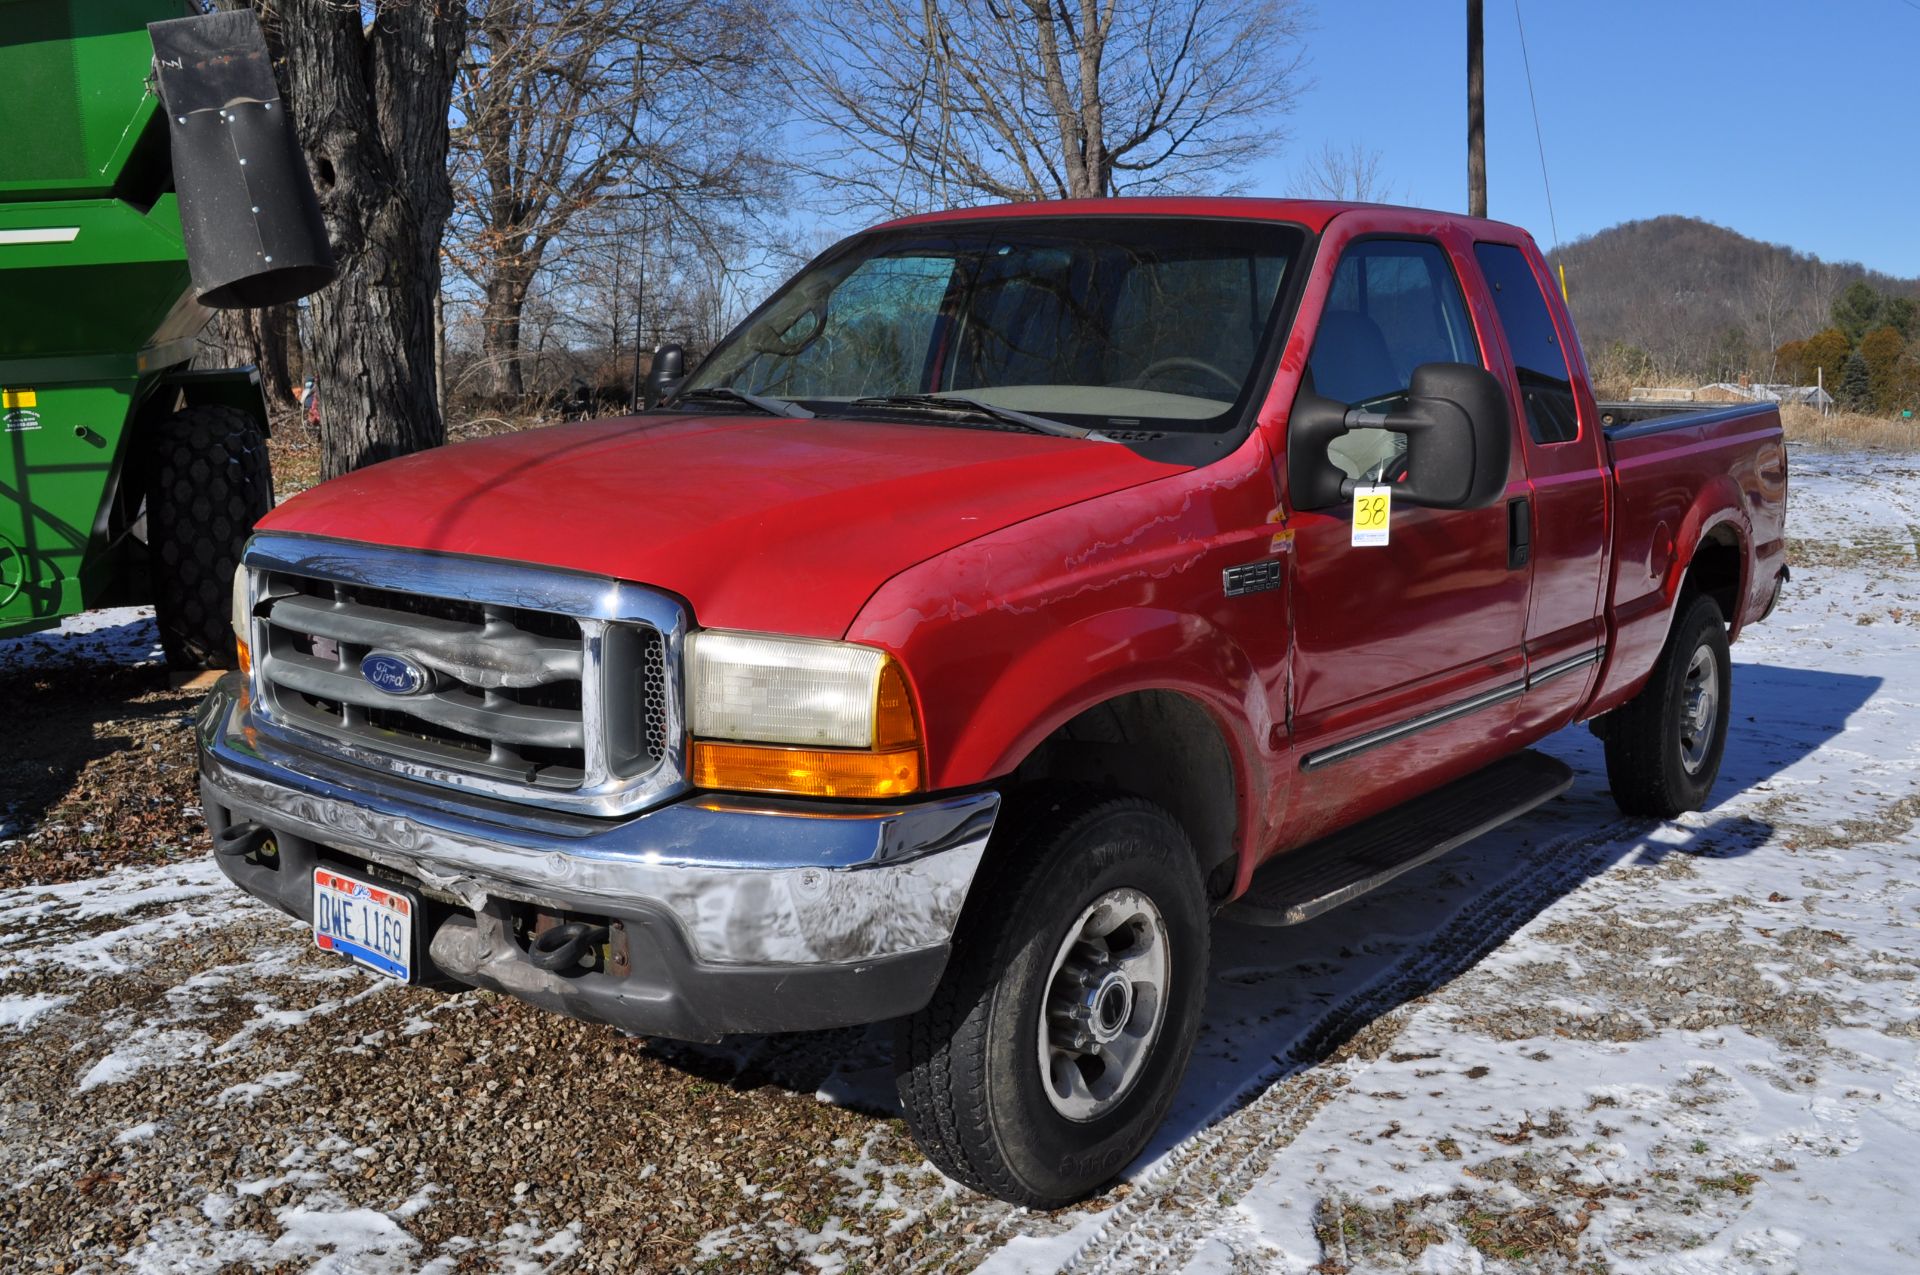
(1732, 392)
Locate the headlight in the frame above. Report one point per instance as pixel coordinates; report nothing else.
(794, 715)
(242, 651)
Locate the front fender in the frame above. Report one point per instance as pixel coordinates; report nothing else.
(1101, 658)
(1010, 636)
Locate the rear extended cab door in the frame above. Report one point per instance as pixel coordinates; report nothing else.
(1561, 522)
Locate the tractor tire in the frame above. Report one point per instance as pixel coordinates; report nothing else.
(1665, 744)
(208, 482)
(1054, 1044)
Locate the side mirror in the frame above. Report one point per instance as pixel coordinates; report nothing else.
(1459, 441)
(668, 372)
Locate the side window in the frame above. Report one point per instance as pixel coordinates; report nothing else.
(1541, 364)
(1394, 305)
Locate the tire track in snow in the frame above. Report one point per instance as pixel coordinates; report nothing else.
(1176, 1208)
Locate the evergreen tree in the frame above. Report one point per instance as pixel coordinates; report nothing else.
(1881, 350)
(1856, 384)
(1902, 315)
(1857, 309)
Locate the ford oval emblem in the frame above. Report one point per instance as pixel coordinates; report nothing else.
(394, 674)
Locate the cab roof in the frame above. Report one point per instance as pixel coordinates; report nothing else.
(1314, 214)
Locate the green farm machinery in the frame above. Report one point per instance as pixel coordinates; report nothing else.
(146, 177)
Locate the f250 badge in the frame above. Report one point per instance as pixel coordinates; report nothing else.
(394, 674)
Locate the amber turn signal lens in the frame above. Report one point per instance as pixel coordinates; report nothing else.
(246, 657)
(806, 772)
(894, 725)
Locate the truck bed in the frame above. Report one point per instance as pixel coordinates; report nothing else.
(1628, 419)
(1688, 481)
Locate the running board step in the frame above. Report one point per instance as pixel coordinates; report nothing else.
(1303, 883)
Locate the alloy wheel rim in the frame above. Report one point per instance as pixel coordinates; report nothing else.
(1105, 1003)
(1699, 708)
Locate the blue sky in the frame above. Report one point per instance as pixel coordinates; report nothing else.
(1795, 123)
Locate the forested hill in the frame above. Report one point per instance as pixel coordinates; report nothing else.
(1687, 300)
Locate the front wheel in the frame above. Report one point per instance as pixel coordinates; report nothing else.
(1664, 745)
(1054, 1044)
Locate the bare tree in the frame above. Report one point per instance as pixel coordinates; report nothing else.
(1352, 174)
(924, 102)
(564, 104)
(1772, 293)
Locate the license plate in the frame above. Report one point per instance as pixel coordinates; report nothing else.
(371, 923)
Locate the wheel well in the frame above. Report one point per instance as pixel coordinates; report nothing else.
(1160, 745)
(1715, 571)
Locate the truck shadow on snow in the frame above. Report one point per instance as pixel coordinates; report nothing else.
(1282, 1001)
(73, 698)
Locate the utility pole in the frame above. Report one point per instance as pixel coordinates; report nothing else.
(1476, 114)
(640, 316)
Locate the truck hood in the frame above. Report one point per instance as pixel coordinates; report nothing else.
(759, 523)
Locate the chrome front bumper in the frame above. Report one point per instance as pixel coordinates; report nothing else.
(783, 896)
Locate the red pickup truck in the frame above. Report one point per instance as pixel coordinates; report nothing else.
(1013, 592)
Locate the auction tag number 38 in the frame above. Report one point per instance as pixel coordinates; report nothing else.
(1372, 508)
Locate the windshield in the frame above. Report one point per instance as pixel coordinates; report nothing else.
(1107, 322)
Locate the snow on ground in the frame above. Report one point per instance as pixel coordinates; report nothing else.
(1583, 1043)
(116, 635)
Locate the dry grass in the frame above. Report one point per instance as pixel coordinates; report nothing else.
(1849, 431)
(294, 445)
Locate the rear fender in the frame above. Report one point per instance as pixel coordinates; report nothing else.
(1709, 521)
(1643, 608)
(222, 387)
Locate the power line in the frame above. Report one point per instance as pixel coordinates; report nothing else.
(1538, 139)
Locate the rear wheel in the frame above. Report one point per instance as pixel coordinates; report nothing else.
(1665, 744)
(1054, 1045)
(209, 482)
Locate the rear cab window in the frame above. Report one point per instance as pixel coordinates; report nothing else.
(1546, 387)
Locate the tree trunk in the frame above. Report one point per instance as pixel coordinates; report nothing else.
(370, 104)
(500, 332)
(255, 338)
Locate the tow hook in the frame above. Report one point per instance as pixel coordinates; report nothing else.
(238, 840)
(559, 950)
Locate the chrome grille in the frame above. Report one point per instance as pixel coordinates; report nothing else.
(540, 686)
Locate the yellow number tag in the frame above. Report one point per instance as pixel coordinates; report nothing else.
(1372, 509)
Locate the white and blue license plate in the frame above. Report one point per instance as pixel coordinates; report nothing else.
(371, 923)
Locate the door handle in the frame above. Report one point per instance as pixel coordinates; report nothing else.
(1519, 532)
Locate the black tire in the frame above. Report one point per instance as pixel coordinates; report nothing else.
(208, 483)
(1647, 738)
(968, 1066)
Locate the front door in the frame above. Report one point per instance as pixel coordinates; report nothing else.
(1407, 661)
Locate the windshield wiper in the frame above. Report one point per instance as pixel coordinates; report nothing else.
(766, 403)
(960, 403)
